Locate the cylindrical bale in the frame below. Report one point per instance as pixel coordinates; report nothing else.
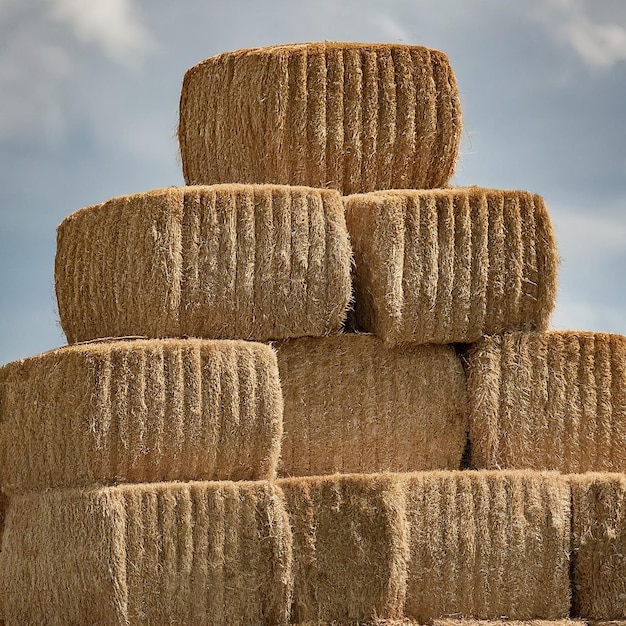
(350, 116)
(599, 545)
(354, 404)
(350, 546)
(257, 262)
(487, 545)
(451, 265)
(553, 400)
(170, 553)
(140, 411)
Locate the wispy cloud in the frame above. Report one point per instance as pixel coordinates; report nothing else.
(595, 29)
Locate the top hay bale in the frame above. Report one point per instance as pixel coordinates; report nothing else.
(256, 262)
(354, 117)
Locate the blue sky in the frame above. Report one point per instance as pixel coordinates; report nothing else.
(89, 105)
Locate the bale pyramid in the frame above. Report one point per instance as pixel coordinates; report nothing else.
(316, 385)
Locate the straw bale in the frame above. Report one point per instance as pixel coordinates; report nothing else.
(504, 622)
(451, 265)
(349, 545)
(140, 411)
(353, 404)
(488, 545)
(351, 116)
(170, 553)
(553, 400)
(599, 545)
(256, 262)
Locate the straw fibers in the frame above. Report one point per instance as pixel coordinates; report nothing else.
(170, 553)
(256, 262)
(450, 265)
(599, 545)
(354, 117)
(553, 400)
(140, 411)
(353, 404)
(502, 622)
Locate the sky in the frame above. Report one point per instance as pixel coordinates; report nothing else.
(89, 97)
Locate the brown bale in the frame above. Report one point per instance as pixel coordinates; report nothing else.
(256, 262)
(353, 404)
(350, 547)
(351, 116)
(504, 622)
(554, 400)
(451, 265)
(192, 553)
(140, 411)
(599, 545)
(488, 545)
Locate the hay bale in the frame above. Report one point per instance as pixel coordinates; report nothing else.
(349, 547)
(353, 404)
(256, 262)
(488, 545)
(140, 411)
(599, 545)
(192, 553)
(553, 400)
(450, 265)
(505, 622)
(354, 117)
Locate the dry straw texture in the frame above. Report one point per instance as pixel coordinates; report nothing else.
(552, 400)
(429, 544)
(450, 265)
(599, 558)
(501, 622)
(354, 117)
(353, 404)
(140, 411)
(194, 553)
(225, 262)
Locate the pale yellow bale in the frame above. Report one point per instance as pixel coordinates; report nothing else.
(353, 404)
(354, 117)
(553, 400)
(488, 545)
(451, 265)
(350, 546)
(599, 545)
(194, 553)
(140, 411)
(234, 261)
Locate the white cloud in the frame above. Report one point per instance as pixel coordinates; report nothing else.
(111, 24)
(595, 29)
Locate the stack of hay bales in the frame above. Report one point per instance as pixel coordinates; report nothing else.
(219, 446)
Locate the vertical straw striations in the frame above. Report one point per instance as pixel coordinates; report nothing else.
(171, 553)
(140, 411)
(256, 262)
(352, 404)
(554, 400)
(450, 265)
(353, 117)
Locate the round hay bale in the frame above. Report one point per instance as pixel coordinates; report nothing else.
(354, 404)
(352, 116)
(170, 553)
(554, 400)
(451, 265)
(257, 262)
(140, 411)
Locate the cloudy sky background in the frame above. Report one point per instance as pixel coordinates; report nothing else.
(89, 100)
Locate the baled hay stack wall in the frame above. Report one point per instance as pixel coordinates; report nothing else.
(140, 411)
(599, 545)
(354, 117)
(428, 544)
(553, 400)
(450, 265)
(354, 405)
(225, 262)
(193, 553)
